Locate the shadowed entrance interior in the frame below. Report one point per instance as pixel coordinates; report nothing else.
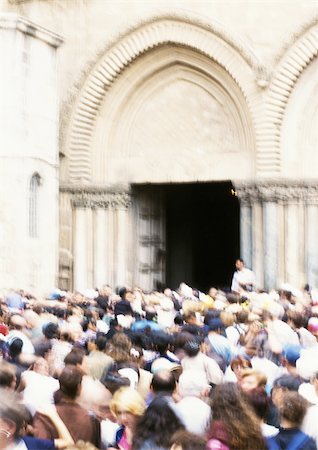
(201, 232)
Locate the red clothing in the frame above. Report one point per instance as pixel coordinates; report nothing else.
(4, 329)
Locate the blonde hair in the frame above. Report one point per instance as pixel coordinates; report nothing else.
(128, 400)
(260, 377)
(227, 318)
(81, 445)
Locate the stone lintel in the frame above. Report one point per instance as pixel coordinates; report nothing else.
(115, 196)
(278, 191)
(26, 26)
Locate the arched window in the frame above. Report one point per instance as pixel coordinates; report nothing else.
(33, 205)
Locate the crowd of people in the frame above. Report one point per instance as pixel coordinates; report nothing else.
(171, 370)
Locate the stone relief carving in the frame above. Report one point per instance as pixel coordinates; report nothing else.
(277, 192)
(98, 198)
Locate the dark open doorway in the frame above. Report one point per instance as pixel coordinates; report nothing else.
(202, 232)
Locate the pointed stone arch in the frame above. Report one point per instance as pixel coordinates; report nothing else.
(290, 67)
(212, 41)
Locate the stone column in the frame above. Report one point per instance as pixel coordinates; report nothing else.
(311, 236)
(121, 246)
(101, 239)
(80, 247)
(121, 202)
(293, 243)
(270, 244)
(258, 245)
(246, 235)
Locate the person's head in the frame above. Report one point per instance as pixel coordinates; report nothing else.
(159, 422)
(227, 318)
(192, 384)
(230, 406)
(183, 440)
(216, 326)
(17, 322)
(101, 342)
(259, 401)
(192, 348)
(163, 381)
(283, 385)
(290, 354)
(12, 417)
(238, 364)
(15, 348)
(251, 379)
(41, 366)
(239, 264)
(295, 319)
(71, 382)
(127, 405)
(7, 375)
(51, 330)
(76, 357)
(161, 342)
(190, 318)
(292, 409)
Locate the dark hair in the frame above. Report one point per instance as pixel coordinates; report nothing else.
(101, 342)
(178, 320)
(161, 342)
(7, 375)
(51, 330)
(113, 381)
(15, 347)
(188, 441)
(192, 348)
(230, 406)
(70, 380)
(75, 356)
(163, 381)
(158, 424)
(287, 382)
(293, 408)
(260, 402)
(297, 318)
(42, 348)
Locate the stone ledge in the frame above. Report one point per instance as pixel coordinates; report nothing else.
(15, 22)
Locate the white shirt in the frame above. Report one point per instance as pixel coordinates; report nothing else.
(244, 276)
(194, 413)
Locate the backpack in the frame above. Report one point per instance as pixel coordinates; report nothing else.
(295, 444)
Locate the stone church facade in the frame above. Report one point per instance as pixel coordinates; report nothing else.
(100, 97)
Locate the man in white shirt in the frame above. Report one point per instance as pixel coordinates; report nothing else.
(243, 279)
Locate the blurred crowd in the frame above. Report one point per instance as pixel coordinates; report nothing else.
(172, 370)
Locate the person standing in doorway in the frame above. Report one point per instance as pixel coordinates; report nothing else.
(243, 279)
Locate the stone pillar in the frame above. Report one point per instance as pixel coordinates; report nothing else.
(258, 245)
(270, 244)
(121, 246)
(246, 235)
(293, 242)
(311, 237)
(80, 249)
(101, 239)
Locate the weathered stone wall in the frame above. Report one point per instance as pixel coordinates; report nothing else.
(161, 91)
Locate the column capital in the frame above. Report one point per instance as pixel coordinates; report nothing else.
(94, 197)
(277, 192)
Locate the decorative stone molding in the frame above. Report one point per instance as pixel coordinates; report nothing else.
(282, 192)
(286, 75)
(13, 21)
(95, 197)
(211, 41)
